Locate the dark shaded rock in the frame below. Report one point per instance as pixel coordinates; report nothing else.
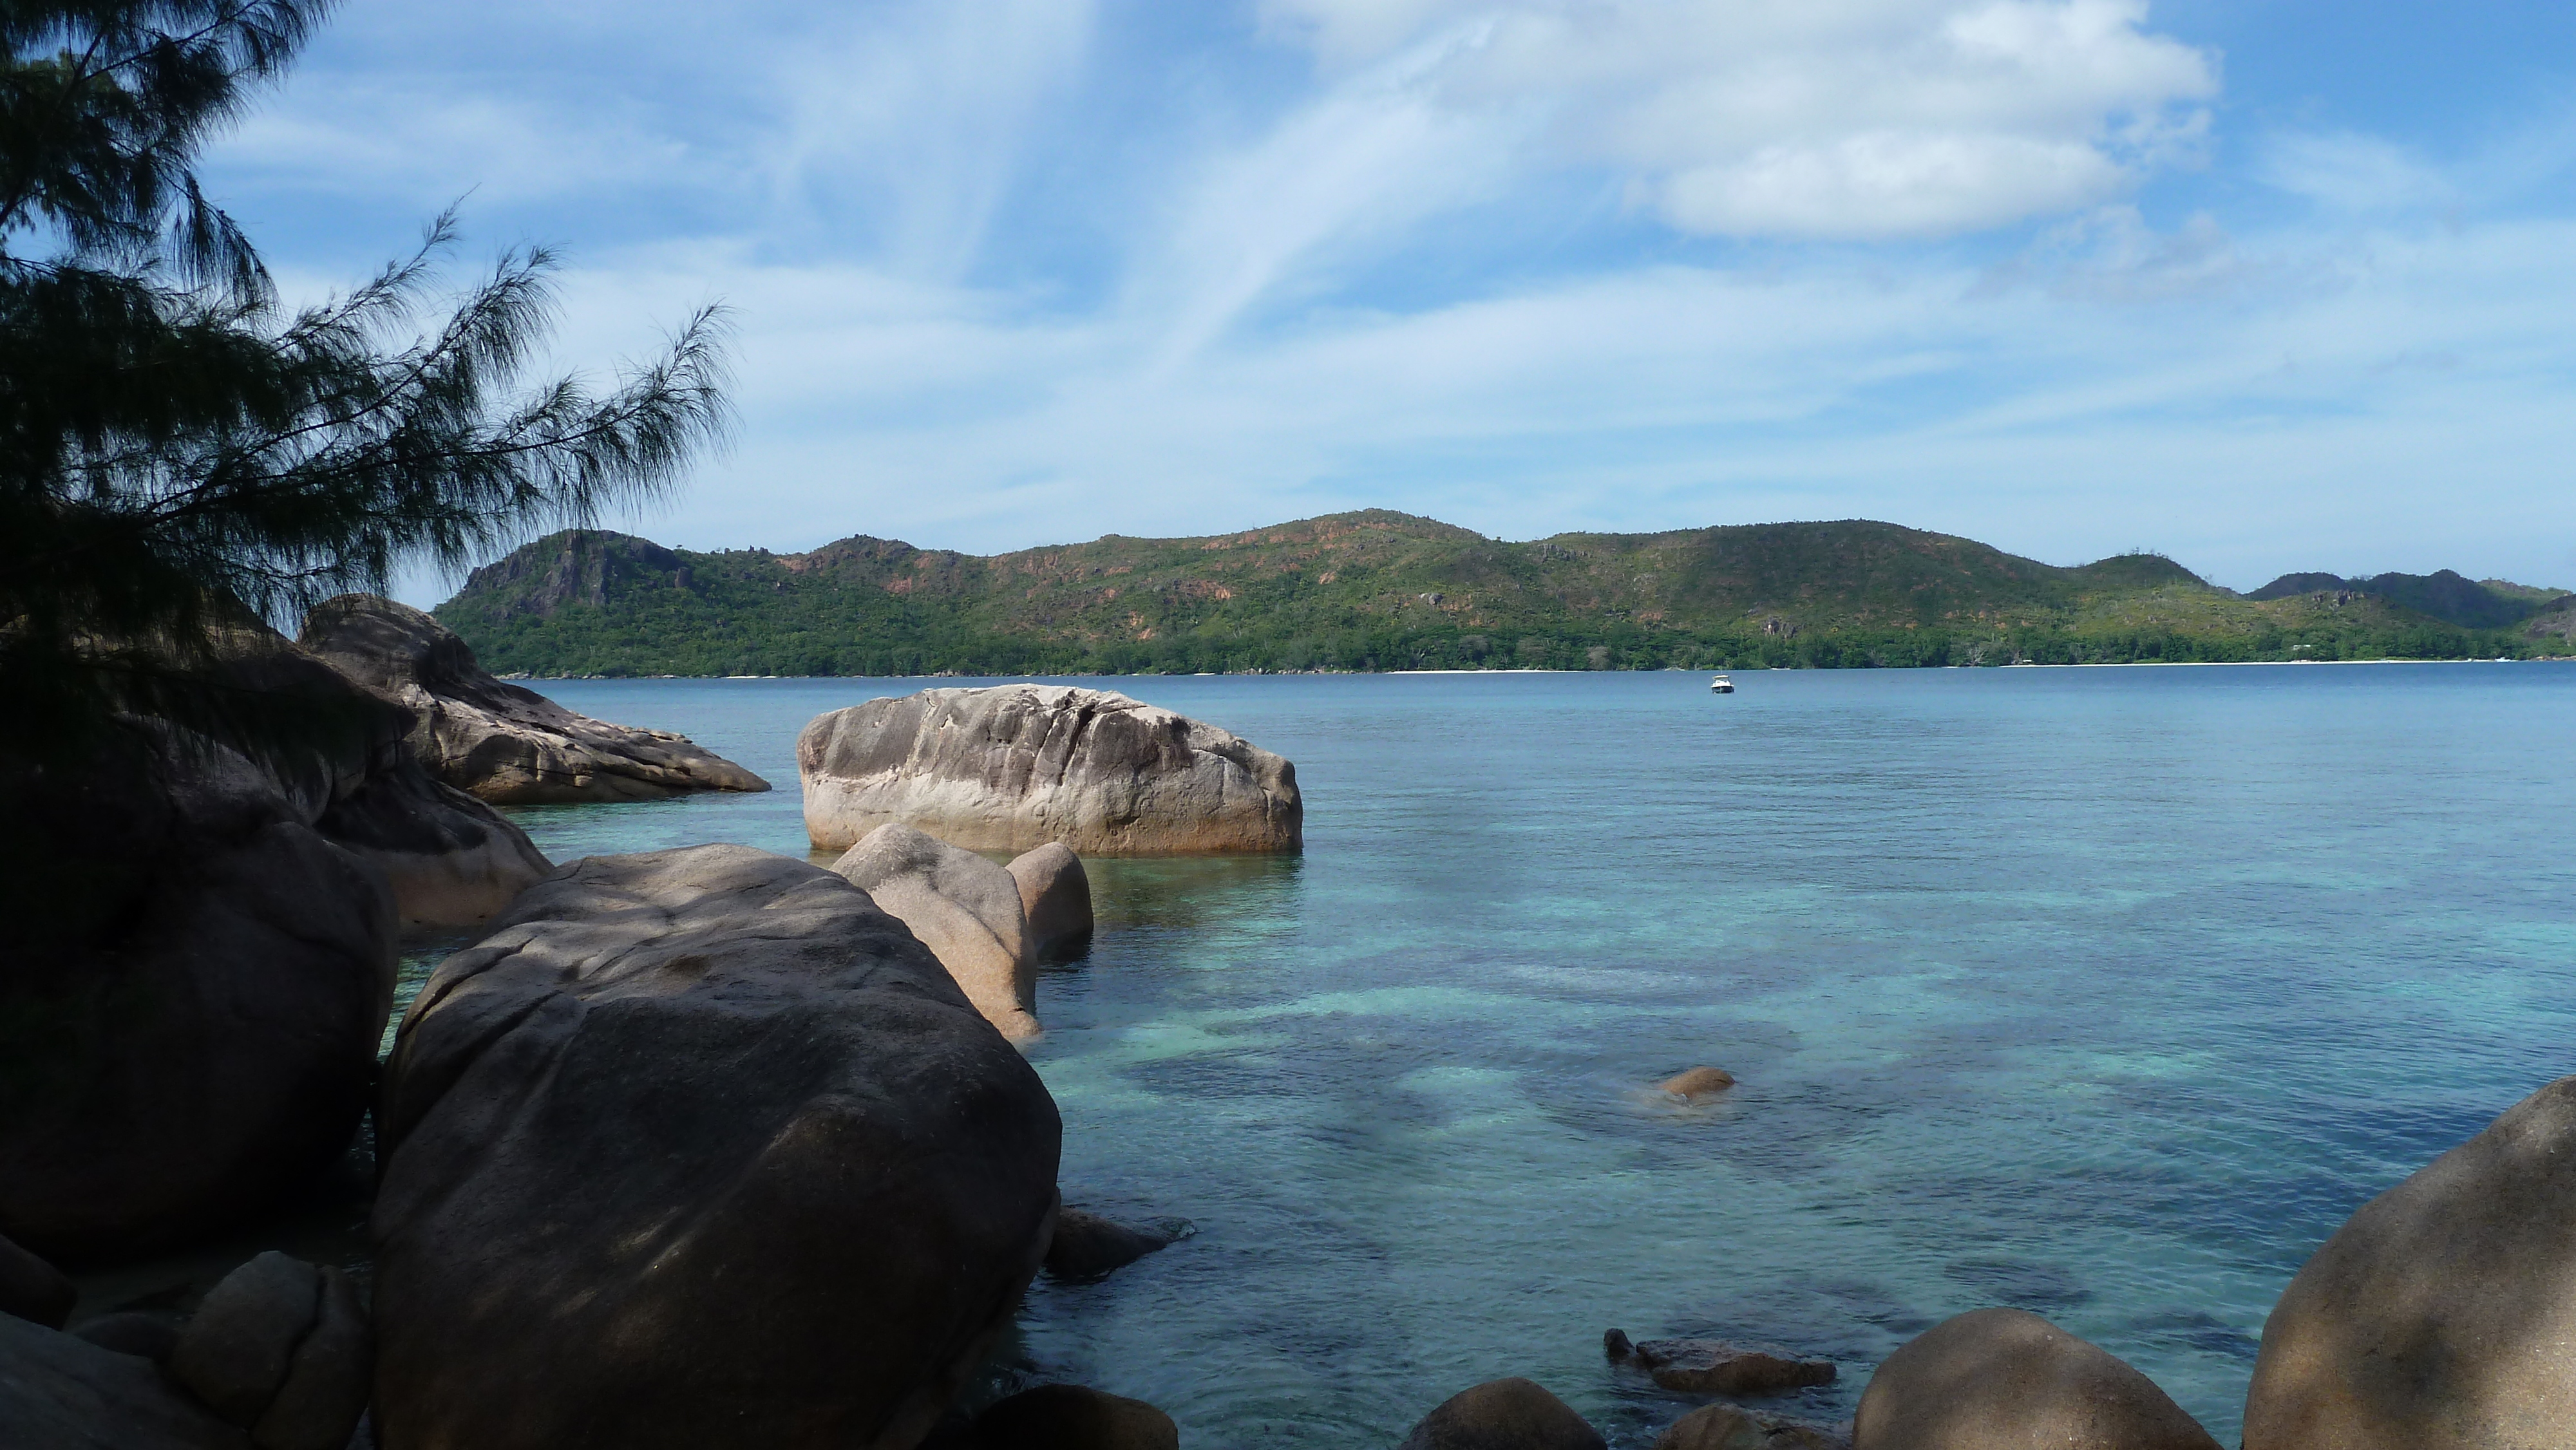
(498, 741)
(2439, 1316)
(145, 1335)
(1014, 767)
(698, 1148)
(1699, 1082)
(451, 860)
(1715, 1367)
(1073, 1417)
(190, 1021)
(327, 1381)
(61, 1392)
(1505, 1414)
(236, 1350)
(1732, 1427)
(33, 1289)
(1055, 894)
(2005, 1379)
(1086, 1246)
(963, 907)
(1616, 1344)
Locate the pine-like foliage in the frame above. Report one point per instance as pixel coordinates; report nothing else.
(179, 454)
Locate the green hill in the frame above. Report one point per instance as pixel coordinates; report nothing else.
(1378, 590)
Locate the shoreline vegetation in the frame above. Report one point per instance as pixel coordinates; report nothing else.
(1382, 592)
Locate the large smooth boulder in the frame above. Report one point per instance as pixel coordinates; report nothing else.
(1505, 1414)
(964, 908)
(190, 1005)
(699, 1147)
(495, 740)
(281, 1348)
(2440, 1316)
(1014, 767)
(2005, 1379)
(61, 1392)
(1073, 1417)
(1055, 894)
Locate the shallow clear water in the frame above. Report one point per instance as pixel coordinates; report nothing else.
(2103, 992)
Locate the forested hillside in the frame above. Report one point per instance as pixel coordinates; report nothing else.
(1378, 590)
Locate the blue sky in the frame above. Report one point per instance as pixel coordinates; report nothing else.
(2263, 284)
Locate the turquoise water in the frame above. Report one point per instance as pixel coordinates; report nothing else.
(2103, 992)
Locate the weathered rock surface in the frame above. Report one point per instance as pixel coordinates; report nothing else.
(1074, 1417)
(2439, 1317)
(1505, 1414)
(498, 741)
(1087, 1246)
(964, 908)
(1732, 1427)
(1055, 894)
(281, 1348)
(1698, 1083)
(698, 1148)
(2003, 1379)
(1014, 767)
(61, 1392)
(190, 1027)
(1716, 1367)
(33, 1289)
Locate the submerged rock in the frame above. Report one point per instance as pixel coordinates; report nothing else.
(1014, 767)
(1055, 893)
(2004, 1379)
(190, 1022)
(1732, 1427)
(1073, 1417)
(698, 1148)
(2439, 1317)
(1715, 1367)
(1505, 1414)
(498, 741)
(1087, 1246)
(61, 1392)
(961, 906)
(33, 1289)
(281, 1348)
(1699, 1082)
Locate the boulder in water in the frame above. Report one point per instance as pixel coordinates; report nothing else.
(2439, 1316)
(1087, 1246)
(1506, 1414)
(698, 1148)
(498, 741)
(1055, 892)
(1696, 1084)
(1013, 767)
(964, 908)
(1732, 1427)
(1716, 1367)
(61, 1392)
(2004, 1379)
(33, 1289)
(1073, 1417)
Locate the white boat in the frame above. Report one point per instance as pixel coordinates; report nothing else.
(1722, 685)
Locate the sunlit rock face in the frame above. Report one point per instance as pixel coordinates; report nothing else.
(2439, 1317)
(1015, 767)
(699, 1147)
(964, 908)
(498, 741)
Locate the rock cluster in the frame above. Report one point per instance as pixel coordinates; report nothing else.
(1018, 766)
(964, 908)
(498, 741)
(699, 1147)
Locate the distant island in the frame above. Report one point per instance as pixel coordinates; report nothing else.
(1379, 590)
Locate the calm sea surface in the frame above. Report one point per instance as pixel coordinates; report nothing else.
(2107, 993)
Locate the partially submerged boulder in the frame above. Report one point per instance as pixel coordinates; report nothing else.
(498, 741)
(698, 1148)
(2439, 1316)
(1718, 1367)
(1087, 1246)
(281, 1348)
(2005, 1379)
(1733, 1427)
(1073, 1417)
(964, 908)
(1698, 1084)
(1505, 1414)
(1055, 892)
(190, 1020)
(61, 1392)
(1014, 767)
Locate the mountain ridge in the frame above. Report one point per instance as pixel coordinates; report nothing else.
(1376, 589)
